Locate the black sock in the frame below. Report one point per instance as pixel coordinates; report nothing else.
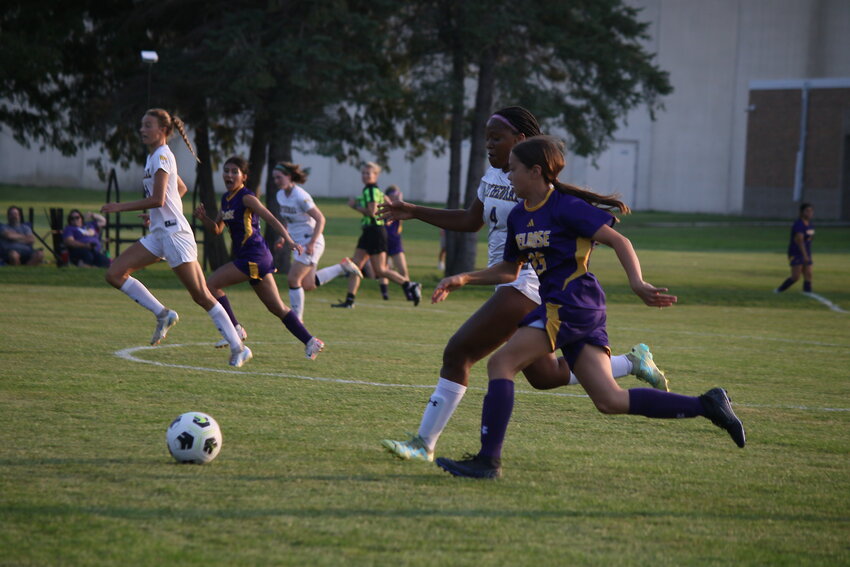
(785, 285)
(807, 287)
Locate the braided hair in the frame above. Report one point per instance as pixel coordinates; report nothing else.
(170, 122)
(520, 120)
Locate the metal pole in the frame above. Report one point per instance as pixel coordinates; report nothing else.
(800, 166)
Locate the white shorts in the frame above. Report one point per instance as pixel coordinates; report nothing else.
(310, 259)
(527, 284)
(176, 247)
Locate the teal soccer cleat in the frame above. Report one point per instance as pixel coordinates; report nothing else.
(643, 368)
(414, 449)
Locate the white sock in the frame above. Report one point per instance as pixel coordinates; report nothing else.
(225, 327)
(137, 291)
(325, 275)
(621, 366)
(296, 301)
(442, 404)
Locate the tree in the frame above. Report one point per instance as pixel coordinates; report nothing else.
(579, 65)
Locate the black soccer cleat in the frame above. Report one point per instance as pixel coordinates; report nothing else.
(472, 466)
(718, 408)
(415, 293)
(344, 304)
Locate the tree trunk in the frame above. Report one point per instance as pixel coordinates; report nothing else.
(461, 247)
(257, 155)
(215, 249)
(280, 149)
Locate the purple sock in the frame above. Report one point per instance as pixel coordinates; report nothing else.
(495, 415)
(807, 287)
(226, 304)
(663, 405)
(785, 285)
(296, 327)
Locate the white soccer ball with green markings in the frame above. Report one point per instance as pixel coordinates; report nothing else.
(193, 437)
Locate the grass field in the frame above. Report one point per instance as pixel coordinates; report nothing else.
(85, 477)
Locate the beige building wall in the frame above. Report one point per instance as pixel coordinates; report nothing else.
(691, 159)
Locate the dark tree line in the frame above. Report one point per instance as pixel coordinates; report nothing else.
(344, 78)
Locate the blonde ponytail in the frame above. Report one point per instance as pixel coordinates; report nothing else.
(181, 128)
(170, 122)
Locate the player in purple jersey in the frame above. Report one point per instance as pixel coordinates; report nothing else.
(395, 247)
(554, 228)
(495, 321)
(241, 212)
(800, 250)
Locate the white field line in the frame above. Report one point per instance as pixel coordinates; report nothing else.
(825, 301)
(129, 354)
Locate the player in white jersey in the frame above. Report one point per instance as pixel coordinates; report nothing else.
(306, 224)
(170, 237)
(497, 320)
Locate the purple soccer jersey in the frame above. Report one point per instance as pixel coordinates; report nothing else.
(555, 239)
(795, 255)
(250, 251)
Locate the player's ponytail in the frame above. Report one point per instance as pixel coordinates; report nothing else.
(548, 153)
(170, 122)
(181, 128)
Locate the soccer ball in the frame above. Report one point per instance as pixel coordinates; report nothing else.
(193, 437)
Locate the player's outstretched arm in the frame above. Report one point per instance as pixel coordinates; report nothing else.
(503, 272)
(457, 220)
(649, 294)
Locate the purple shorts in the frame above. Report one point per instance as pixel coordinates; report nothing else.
(570, 329)
(256, 266)
(798, 260)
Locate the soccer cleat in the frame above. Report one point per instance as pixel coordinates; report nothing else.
(415, 291)
(350, 268)
(472, 466)
(162, 326)
(239, 331)
(313, 348)
(237, 359)
(344, 304)
(414, 449)
(643, 367)
(718, 408)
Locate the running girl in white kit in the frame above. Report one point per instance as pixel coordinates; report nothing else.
(170, 237)
(306, 225)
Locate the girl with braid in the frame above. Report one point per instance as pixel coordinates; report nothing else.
(170, 237)
(252, 261)
(495, 321)
(553, 229)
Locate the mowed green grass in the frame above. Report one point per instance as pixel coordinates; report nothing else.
(85, 477)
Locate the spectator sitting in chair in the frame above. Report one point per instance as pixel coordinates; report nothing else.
(17, 239)
(82, 239)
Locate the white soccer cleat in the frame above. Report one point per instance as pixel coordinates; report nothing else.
(237, 359)
(239, 331)
(350, 268)
(162, 326)
(313, 348)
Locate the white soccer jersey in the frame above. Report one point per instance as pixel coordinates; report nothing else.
(293, 210)
(497, 194)
(170, 215)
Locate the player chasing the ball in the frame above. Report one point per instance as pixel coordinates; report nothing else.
(498, 319)
(553, 228)
(170, 237)
(241, 211)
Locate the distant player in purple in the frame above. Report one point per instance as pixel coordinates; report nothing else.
(241, 212)
(800, 250)
(554, 228)
(395, 248)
